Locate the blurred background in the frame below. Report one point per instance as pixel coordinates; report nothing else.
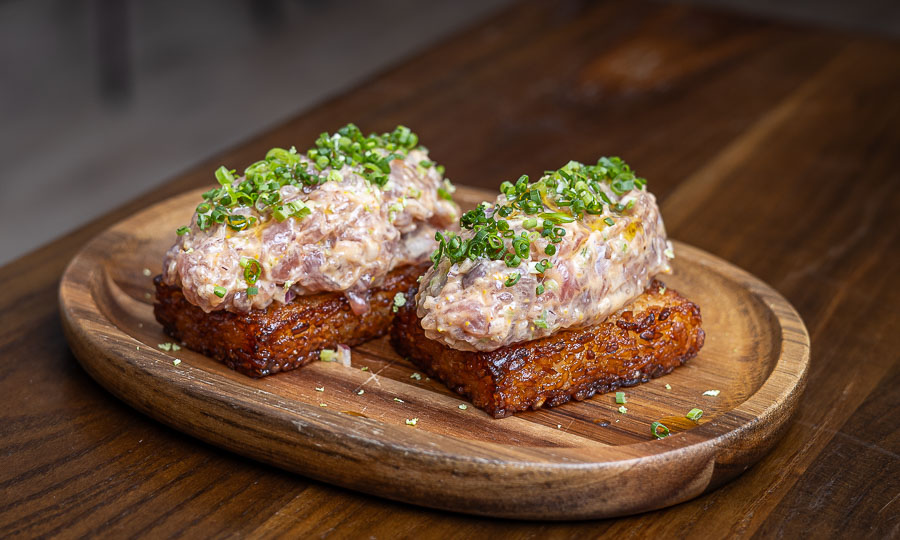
(102, 100)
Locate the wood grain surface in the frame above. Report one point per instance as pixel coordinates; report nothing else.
(771, 146)
(348, 425)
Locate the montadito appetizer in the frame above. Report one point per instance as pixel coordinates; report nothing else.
(304, 251)
(549, 294)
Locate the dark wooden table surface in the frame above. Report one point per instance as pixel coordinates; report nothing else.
(775, 147)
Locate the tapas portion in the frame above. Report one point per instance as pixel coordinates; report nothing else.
(304, 251)
(548, 294)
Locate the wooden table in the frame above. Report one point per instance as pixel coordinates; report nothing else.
(775, 147)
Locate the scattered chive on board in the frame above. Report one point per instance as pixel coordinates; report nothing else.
(658, 430)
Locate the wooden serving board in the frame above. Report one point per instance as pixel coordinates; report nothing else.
(348, 426)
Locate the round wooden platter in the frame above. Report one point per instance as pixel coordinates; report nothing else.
(348, 426)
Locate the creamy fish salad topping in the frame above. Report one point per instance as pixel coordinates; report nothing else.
(565, 251)
(337, 218)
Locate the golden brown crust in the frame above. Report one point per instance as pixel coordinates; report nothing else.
(650, 337)
(283, 336)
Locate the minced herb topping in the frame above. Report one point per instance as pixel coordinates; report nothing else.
(560, 196)
(370, 156)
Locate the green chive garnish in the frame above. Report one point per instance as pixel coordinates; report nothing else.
(561, 196)
(224, 176)
(399, 302)
(512, 279)
(658, 430)
(620, 397)
(694, 414)
(542, 322)
(182, 231)
(220, 291)
(252, 291)
(260, 188)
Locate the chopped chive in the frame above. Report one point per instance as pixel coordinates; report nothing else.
(412, 421)
(463, 406)
(328, 355)
(181, 231)
(539, 290)
(694, 414)
(224, 176)
(622, 409)
(399, 302)
(220, 291)
(658, 430)
(259, 187)
(252, 291)
(568, 194)
(542, 321)
(620, 397)
(512, 279)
